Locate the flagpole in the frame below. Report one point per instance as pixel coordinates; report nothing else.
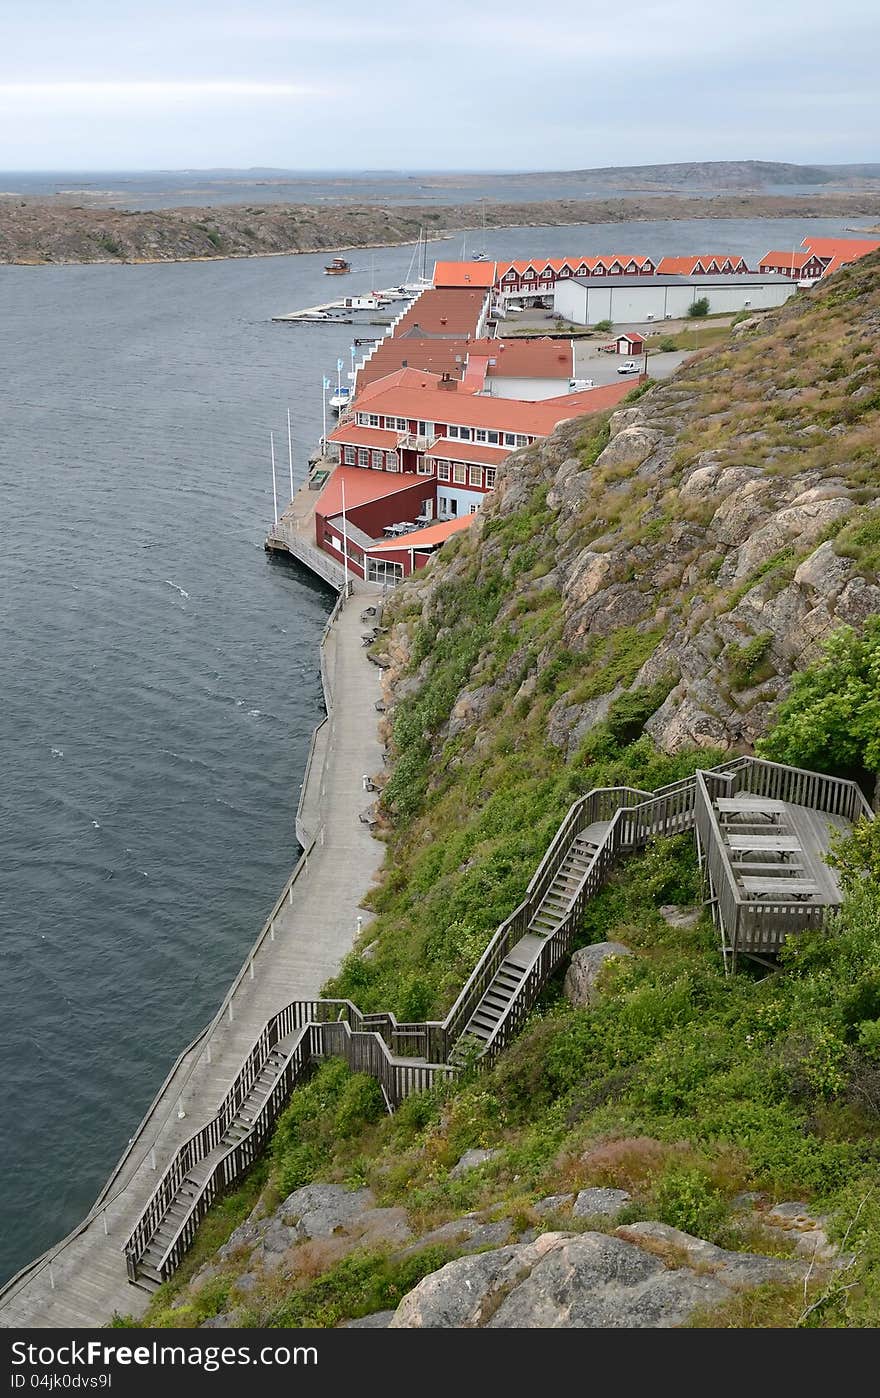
(324, 404)
(344, 543)
(290, 453)
(274, 489)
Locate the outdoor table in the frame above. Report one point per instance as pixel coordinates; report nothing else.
(749, 805)
(780, 889)
(779, 843)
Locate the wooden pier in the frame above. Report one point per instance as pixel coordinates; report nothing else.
(323, 314)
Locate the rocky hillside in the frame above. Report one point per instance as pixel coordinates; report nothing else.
(56, 230)
(717, 531)
(664, 1144)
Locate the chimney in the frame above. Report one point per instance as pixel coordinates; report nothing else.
(447, 382)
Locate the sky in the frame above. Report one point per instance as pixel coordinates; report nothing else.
(463, 85)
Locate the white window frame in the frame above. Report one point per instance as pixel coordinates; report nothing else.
(459, 473)
(521, 439)
(392, 461)
(424, 466)
(491, 473)
(349, 456)
(374, 419)
(475, 476)
(377, 459)
(363, 456)
(481, 435)
(443, 470)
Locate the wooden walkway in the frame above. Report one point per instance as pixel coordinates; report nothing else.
(85, 1282)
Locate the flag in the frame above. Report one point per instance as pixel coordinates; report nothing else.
(326, 382)
(339, 365)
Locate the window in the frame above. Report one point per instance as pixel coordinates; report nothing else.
(459, 473)
(443, 470)
(476, 475)
(329, 538)
(374, 419)
(494, 438)
(490, 477)
(423, 429)
(509, 439)
(481, 435)
(464, 434)
(349, 456)
(391, 461)
(453, 431)
(425, 466)
(473, 509)
(521, 440)
(361, 419)
(363, 456)
(378, 460)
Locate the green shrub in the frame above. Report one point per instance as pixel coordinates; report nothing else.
(686, 1198)
(698, 308)
(746, 663)
(603, 326)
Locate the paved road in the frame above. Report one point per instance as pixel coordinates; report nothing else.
(86, 1282)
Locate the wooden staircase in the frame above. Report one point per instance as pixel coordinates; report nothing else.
(550, 912)
(148, 1274)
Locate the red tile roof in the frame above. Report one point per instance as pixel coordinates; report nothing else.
(361, 486)
(464, 274)
(435, 356)
(787, 259)
(355, 436)
(845, 249)
(526, 359)
(433, 404)
(429, 537)
(684, 266)
(556, 264)
(480, 453)
(444, 311)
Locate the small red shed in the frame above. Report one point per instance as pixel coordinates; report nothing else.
(631, 344)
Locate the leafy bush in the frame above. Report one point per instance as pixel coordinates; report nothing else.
(603, 326)
(698, 308)
(746, 663)
(686, 1198)
(668, 344)
(831, 719)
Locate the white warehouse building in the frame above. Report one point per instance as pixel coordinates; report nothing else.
(625, 300)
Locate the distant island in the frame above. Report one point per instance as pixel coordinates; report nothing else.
(57, 230)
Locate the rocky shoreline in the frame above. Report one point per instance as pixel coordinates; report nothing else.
(54, 231)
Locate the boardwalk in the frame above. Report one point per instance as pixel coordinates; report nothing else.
(86, 1281)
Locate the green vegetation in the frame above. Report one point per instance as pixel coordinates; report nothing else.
(747, 664)
(698, 308)
(603, 326)
(859, 539)
(831, 719)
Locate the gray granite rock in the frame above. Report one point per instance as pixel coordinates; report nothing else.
(319, 1210)
(600, 1203)
(470, 1160)
(583, 971)
(552, 1204)
(737, 1270)
(676, 916)
(379, 1320)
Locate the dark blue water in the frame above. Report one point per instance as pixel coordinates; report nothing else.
(158, 673)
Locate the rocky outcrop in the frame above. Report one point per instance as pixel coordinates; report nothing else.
(645, 1275)
(580, 988)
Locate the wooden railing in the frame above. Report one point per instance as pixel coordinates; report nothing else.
(406, 1058)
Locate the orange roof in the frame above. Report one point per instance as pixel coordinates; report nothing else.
(526, 359)
(464, 274)
(424, 538)
(684, 266)
(447, 449)
(397, 378)
(434, 356)
(785, 259)
(361, 486)
(450, 312)
(355, 436)
(845, 249)
(433, 404)
(556, 264)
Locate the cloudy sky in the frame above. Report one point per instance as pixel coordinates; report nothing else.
(465, 84)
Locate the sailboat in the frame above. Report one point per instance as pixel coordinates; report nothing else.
(418, 260)
(483, 255)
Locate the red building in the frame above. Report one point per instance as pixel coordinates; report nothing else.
(802, 266)
(539, 275)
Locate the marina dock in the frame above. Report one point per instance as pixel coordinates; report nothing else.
(344, 309)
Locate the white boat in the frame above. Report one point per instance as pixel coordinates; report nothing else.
(340, 399)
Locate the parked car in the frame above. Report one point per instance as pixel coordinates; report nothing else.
(629, 366)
